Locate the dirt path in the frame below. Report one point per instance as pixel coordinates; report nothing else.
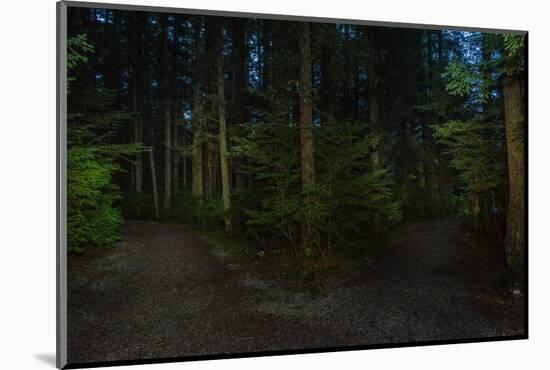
(164, 294)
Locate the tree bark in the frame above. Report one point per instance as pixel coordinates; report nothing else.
(306, 110)
(209, 171)
(154, 182)
(167, 160)
(176, 162)
(239, 63)
(267, 70)
(328, 74)
(373, 93)
(184, 161)
(224, 164)
(239, 82)
(515, 223)
(278, 33)
(431, 147)
(137, 26)
(197, 184)
(167, 119)
(211, 110)
(173, 78)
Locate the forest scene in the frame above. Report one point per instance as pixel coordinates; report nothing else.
(240, 185)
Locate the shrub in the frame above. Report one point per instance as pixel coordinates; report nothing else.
(350, 196)
(91, 218)
(188, 209)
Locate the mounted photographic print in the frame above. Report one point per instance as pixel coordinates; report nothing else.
(237, 184)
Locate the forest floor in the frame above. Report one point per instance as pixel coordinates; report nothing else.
(165, 293)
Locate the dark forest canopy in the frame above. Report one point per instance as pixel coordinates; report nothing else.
(317, 136)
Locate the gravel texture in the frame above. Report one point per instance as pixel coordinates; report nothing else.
(163, 293)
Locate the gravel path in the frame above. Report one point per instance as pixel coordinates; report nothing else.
(163, 293)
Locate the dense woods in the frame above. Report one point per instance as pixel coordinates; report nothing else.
(317, 138)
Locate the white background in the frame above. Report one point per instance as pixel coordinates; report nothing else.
(27, 182)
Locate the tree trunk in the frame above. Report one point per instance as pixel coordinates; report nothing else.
(267, 75)
(196, 125)
(197, 184)
(373, 93)
(173, 78)
(137, 92)
(184, 161)
(224, 164)
(347, 78)
(209, 171)
(374, 100)
(176, 160)
(154, 182)
(515, 223)
(167, 119)
(328, 74)
(239, 63)
(167, 161)
(138, 172)
(239, 82)
(309, 229)
(211, 83)
(306, 110)
(431, 147)
(277, 64)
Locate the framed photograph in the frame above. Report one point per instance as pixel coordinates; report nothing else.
(234, 184)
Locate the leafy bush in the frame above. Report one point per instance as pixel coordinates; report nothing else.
(477, 152)
(350, 196)
(91, 218)
(273, 158)
(188, 209)
(355, 185)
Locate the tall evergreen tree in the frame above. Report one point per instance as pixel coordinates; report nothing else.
(224, 160)
(167, 97)
(197, 120)
(306, 108)
(514, 118)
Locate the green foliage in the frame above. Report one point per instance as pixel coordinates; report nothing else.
(435, 98)
(477, 152)
(514, 50)
(475, 140)
(77, 48)
(463, 78)
(313, 216)
(460, 79)
(355, 185)
(188, 209)
(93, 118)
(91, 218)
(272, 150)
(468, 79)
(350, 194)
